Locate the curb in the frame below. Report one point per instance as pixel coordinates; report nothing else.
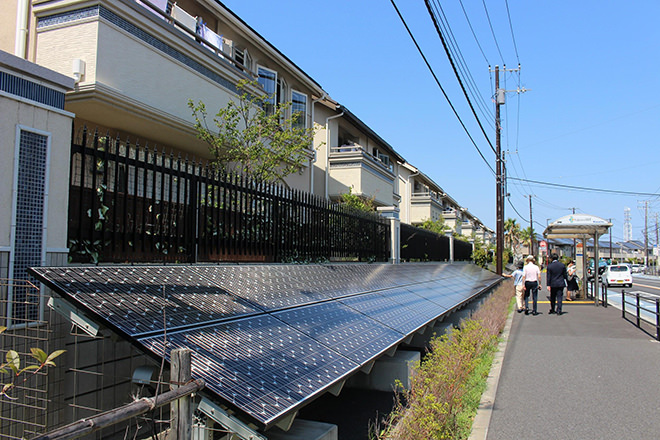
(482, 418)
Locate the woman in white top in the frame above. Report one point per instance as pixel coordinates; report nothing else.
(531, 276)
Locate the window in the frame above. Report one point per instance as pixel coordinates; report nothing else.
(268, 81)
(299, 109)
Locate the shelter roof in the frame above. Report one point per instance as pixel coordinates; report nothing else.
(576, 226)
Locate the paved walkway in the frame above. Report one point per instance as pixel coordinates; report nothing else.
(587, 374)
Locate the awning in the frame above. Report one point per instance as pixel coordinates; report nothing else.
(577, 226)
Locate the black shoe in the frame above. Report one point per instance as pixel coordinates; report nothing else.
(526, 312)
(520, 310)
(560, 313)
(535, 313)
(551, 312)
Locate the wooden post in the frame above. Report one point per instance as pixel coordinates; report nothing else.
(181, 410)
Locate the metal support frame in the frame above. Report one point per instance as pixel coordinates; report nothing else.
(230, 423)
(75, 316)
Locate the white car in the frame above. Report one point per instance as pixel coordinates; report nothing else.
(617, 275)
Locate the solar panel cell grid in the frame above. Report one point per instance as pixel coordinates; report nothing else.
(268, 338)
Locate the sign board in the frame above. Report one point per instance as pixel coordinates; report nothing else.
(543, 246)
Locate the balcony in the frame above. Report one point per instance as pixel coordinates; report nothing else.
(425, 205)
(142, 65)
(352, 167)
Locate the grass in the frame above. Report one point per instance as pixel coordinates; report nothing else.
(446, 387)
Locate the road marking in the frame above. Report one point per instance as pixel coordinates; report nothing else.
(645, 285)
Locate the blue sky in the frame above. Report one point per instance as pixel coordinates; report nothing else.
(589, 120)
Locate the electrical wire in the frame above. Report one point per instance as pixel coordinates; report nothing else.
(513, 37)
(451, 61)
(461, 64)
(519, 214)
(585, 188)
(473, 34)
(441, 88)
(493, 32)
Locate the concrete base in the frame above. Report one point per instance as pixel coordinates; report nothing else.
(456, 317)
(443, 328)
(387, 371)
(305, 430)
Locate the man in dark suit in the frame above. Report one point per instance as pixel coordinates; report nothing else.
(556, 280)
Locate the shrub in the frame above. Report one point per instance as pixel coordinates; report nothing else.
(446, 388)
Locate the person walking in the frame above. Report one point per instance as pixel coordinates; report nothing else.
(556, 280)
(572, 287)
(517, 276)
(531, 277)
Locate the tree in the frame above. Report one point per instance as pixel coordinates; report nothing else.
(511, 233)
(438, 226)
(480, 254)
(526, 236)
(253, 137)
(357, 202)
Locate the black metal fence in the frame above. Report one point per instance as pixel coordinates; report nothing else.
(419, 244)
(642, 303)
(128, 203)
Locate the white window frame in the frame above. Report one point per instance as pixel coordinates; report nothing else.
(305, 113)
(274, 98)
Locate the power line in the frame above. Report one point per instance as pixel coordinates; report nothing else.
(437, 81)
(508, 14)
(451, 61)
(473, 34)
(585, 188)
(514, 208)
(462, 64)
(493, 31)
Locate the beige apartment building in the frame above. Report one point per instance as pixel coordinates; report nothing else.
(136, 65)
(129, 67)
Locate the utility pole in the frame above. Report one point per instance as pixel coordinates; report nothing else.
(657, 245)
(646, 233)
(499, 215)
(499, 175)
(531, 228)
(610, 220)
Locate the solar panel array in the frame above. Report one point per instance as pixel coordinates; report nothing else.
(268, 338)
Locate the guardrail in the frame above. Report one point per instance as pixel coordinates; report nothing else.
(639, 308)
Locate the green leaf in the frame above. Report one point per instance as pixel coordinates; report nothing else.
(39, 354)
(13, 361)
(53, 355)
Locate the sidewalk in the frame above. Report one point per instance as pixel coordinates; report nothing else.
(587, 374)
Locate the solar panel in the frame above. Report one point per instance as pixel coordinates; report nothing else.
(388, 312)
(355, 335)
(259, 364)
(136, 299)
(267, 338)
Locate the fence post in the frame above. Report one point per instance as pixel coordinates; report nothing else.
(450, 235)
(638, 313)
(392, 213)
(623, 303)
(181, 409)
(657, 319)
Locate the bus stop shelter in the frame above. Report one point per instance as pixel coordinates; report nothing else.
(582, 227)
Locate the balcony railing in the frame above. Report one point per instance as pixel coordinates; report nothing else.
(358, 149)
(195, 28)
(427, 194)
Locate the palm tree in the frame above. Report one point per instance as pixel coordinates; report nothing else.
(526, 236)
(511, 233)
